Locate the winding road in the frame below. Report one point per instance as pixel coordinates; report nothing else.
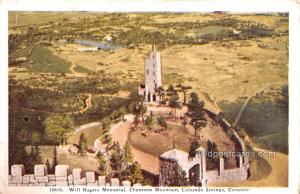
(238, 117)
(119, 133)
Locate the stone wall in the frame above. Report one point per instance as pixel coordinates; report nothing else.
(165, 171)
(62, 177)
(223, 175)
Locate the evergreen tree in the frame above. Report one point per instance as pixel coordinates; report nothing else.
(194, 146)
(128, 153)
(161, 93)
(48, 165)
(149, 122)
(162, 122)
(171, 91)
(138, 110)
(82, 144)
(106, 138)
(174, 104)
(24, 158)
(178, 177)
(117, 160)
(37, 153)
(184, 89)
(102, 166)
(106, 123)
(55, 162)
(136, 175)
(212, 147)
(196, 112)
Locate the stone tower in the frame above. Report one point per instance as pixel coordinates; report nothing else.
(153, 75)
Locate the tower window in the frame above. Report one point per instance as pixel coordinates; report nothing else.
(147, 71)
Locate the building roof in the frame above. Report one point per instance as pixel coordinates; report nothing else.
(174, 154)
(181, 158)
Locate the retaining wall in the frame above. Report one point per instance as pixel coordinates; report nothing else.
(62, 177)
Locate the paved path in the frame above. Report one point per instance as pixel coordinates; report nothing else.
(119, 134)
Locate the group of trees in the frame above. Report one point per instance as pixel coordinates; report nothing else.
(119, 163)
(172, 95)
(138, 109)
(58, 128)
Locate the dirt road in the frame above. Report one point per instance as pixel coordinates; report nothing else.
(119, 133)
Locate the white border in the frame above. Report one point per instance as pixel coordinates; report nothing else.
(156, 5)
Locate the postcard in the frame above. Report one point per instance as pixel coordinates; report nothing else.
(153, 96)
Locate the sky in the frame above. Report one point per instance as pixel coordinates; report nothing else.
(149, 5)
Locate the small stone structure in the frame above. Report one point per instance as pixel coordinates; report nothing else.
(153, 76)
(62, 177)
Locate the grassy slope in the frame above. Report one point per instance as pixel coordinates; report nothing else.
(45, 61)
(81, 69)
(90, 134)
(265, 119)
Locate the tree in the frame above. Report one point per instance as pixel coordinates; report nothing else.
(212, 147)
(37, 155)
(122, 112)
(198, 121)
(48, 165)
(22, 136)
(171, 91)
(196, 112)
(149, 122)
(82, 144)
(174, 104)
(162, 122)
(35, 138)
(184, 89)
(106, 123)
(178, 177)
(194, 146)
(128, 153)
(117, 160)
(55, 162)
(58, 127)
(106, 138)
(136, 175)
(138, 109)
(102, 164)
(161, 93)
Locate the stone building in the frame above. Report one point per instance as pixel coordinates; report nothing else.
(153, 76)
(195, 168)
